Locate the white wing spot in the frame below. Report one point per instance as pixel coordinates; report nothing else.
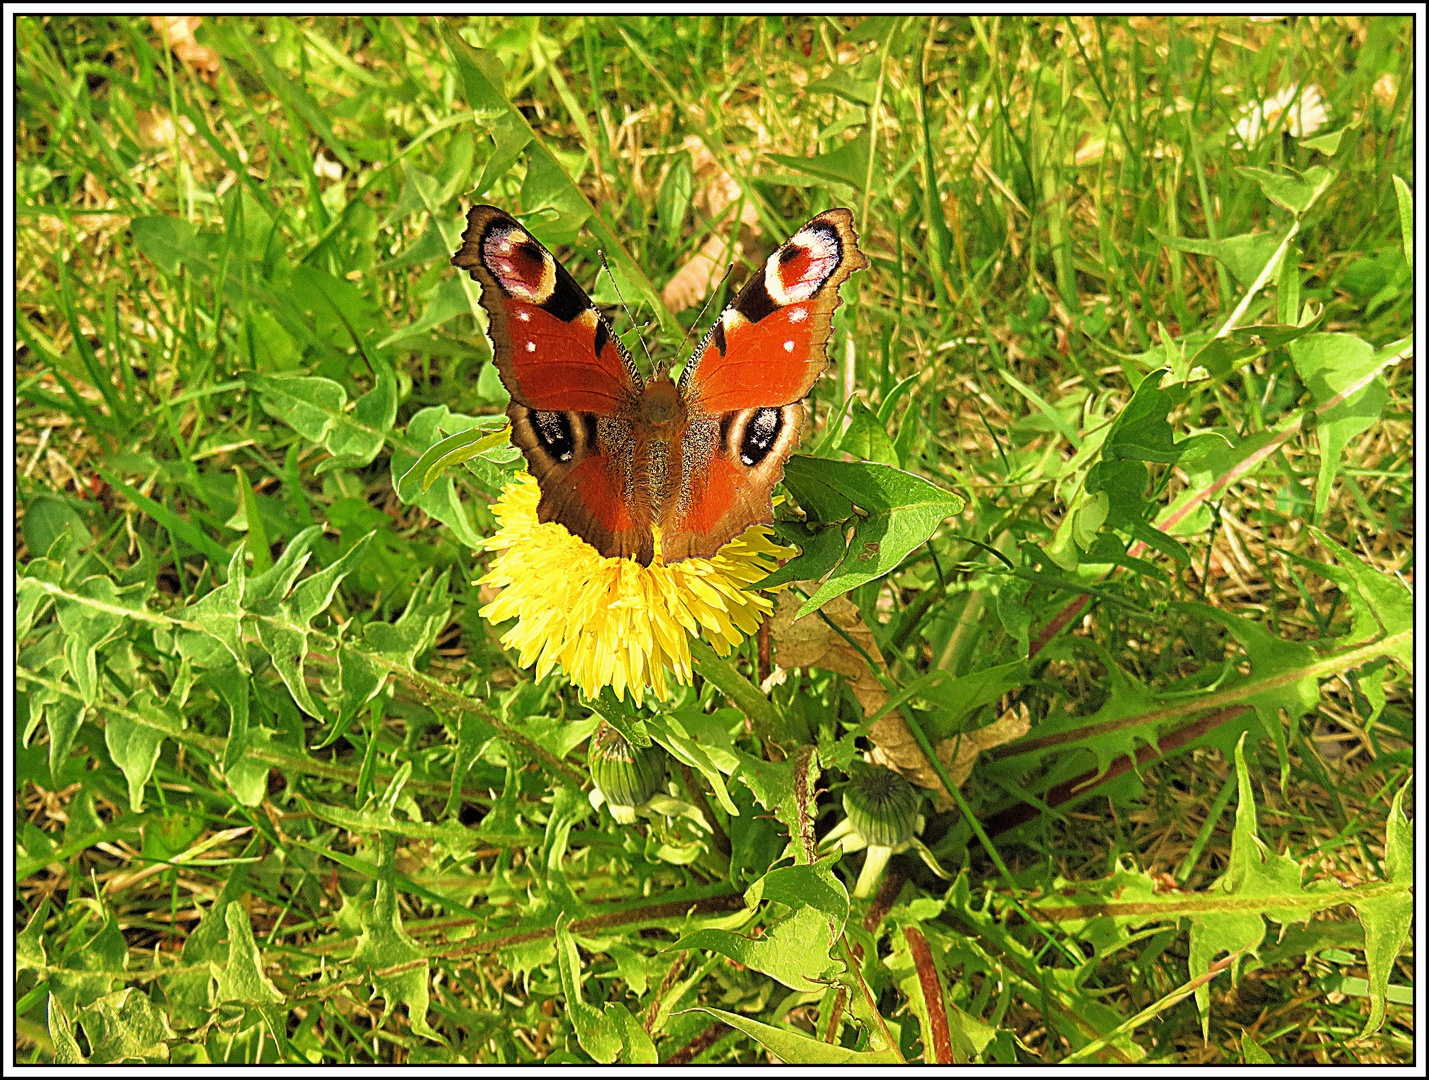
(788, 346)
(525, 316)
(798, 314)
(530, 346)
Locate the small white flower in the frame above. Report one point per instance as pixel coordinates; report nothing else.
(328, 170)
(1298, 112)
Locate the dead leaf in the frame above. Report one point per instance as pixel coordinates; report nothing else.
(959, 753)
(812, 642)
(177, 32)
(716, 189)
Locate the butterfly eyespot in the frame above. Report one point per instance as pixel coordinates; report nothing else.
(553, 431)
(760, 435)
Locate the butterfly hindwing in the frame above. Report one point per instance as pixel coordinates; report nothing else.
(574, 390)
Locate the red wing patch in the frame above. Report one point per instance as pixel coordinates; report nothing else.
(769, 346)
(552, 348)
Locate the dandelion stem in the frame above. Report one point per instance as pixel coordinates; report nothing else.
(874, 863)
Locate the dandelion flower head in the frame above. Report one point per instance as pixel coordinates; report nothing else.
(610, 621)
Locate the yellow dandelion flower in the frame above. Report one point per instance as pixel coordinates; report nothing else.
(612, 622)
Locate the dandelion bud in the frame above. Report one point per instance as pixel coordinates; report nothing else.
(627, 775)
(881, 806)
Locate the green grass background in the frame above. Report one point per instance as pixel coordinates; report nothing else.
(232, 846)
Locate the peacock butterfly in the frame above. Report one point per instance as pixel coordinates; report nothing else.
(618, 457)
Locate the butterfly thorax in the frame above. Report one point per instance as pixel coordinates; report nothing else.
(660, 404)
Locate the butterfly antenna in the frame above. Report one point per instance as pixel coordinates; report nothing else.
(700, 318)
(645, 348)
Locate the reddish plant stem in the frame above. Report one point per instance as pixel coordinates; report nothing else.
(698, 1045)
(1080, 786)
(927, 970)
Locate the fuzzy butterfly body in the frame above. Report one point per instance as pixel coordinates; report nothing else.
(619, 457)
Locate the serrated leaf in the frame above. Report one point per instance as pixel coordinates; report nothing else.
(86, 628)
(125, 1026)
(384, 945)
(1269, 883)
(284, 632)
(62, 1034)
(219, 615)
(1387, 920)
(795, 1048)
(787, 790)
(1270, 657)
(134, 746)
(361, 676)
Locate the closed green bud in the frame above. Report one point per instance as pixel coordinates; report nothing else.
(627, 775)
(882, 807)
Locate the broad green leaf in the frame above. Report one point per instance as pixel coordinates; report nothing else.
(795, 950)
(867, 437)
(447, 299)
(1141, 431)
(900, 511)
(361, 672)
(307, 404)
(788, 790)
(848, 164)
(1294, 193)
(1276, 661)
(1245, 256)
(811, 885)
(125, 1026)
(1329, 364)
(357, 437)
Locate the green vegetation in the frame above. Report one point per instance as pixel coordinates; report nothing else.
(1120, 417)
